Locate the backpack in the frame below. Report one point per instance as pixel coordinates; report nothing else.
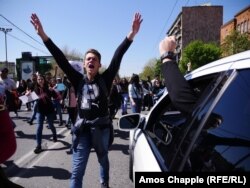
(101, 83)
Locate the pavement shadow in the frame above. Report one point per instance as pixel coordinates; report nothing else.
(56, 173)
(120, 147)
(65, 146)
(121, 134)
(22, 135)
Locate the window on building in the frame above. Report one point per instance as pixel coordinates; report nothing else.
(238, 27)
(245, 27)
(242, 27)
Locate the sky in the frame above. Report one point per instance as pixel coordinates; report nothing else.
(82, 24)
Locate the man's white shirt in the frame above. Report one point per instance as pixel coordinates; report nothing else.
(8, 83)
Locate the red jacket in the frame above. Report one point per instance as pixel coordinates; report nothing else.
(7, 137)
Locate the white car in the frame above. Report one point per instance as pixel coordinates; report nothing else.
(216, 137)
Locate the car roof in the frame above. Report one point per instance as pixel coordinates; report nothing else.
(236, 61)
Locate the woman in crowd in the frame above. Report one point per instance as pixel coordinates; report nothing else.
(135, 92)
(45, 108)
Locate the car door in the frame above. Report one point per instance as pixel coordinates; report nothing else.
(144, 149)
(155, 142)
(144, 153)
(219, 138)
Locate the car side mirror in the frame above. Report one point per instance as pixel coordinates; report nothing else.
(129, 122)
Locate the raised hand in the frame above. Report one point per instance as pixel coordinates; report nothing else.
(136, 23)
(168, 44)
(38, 27)
(135, 26)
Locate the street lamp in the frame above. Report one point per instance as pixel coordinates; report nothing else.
(5, 30)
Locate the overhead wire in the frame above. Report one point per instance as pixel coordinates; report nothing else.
(167, 21)
(169, 17)
(28, 44)
(21, 30)
(26, 35)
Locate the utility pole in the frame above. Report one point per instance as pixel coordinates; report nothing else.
(6, 30)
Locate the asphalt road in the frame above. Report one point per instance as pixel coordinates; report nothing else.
(52, 167)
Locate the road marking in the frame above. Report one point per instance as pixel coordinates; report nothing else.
(32, 159)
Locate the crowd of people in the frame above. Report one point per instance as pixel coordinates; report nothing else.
(59, 93)
(91, 100)
(135, 92)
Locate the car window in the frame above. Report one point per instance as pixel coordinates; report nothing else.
(224, 142)
(165, 125)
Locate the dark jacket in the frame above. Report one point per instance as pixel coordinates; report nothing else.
(180, 92)
(75, 77)
(44, 103)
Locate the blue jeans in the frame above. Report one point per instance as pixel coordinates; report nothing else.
(125, 102)
(58, 109)
(40, 119)
(33, 116)
(137, 107)
(81, 155)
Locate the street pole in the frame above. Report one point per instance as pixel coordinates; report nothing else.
(6, 30)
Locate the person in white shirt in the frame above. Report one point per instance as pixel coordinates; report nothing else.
(8, 82)
(12, 100)
(135, 92)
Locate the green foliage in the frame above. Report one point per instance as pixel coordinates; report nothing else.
(148, 70)
(157, 70)
(73, 55)
(234, 43)
(199, 54)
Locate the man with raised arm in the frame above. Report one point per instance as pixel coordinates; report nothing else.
(93, 125)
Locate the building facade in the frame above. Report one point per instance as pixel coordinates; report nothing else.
(240, 22)
(197, 23)
(28, 64)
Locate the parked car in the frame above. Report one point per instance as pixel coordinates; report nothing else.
(216, 137)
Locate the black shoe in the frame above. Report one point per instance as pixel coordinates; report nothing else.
(69, 152)
(68, 126)
(30, 122)
(104, 185)
(38, 149)
(54, 139)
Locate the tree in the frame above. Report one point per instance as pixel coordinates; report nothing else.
(157, 70)
(234, 43)
(70, 55)
(149, 69)
(198, 54)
